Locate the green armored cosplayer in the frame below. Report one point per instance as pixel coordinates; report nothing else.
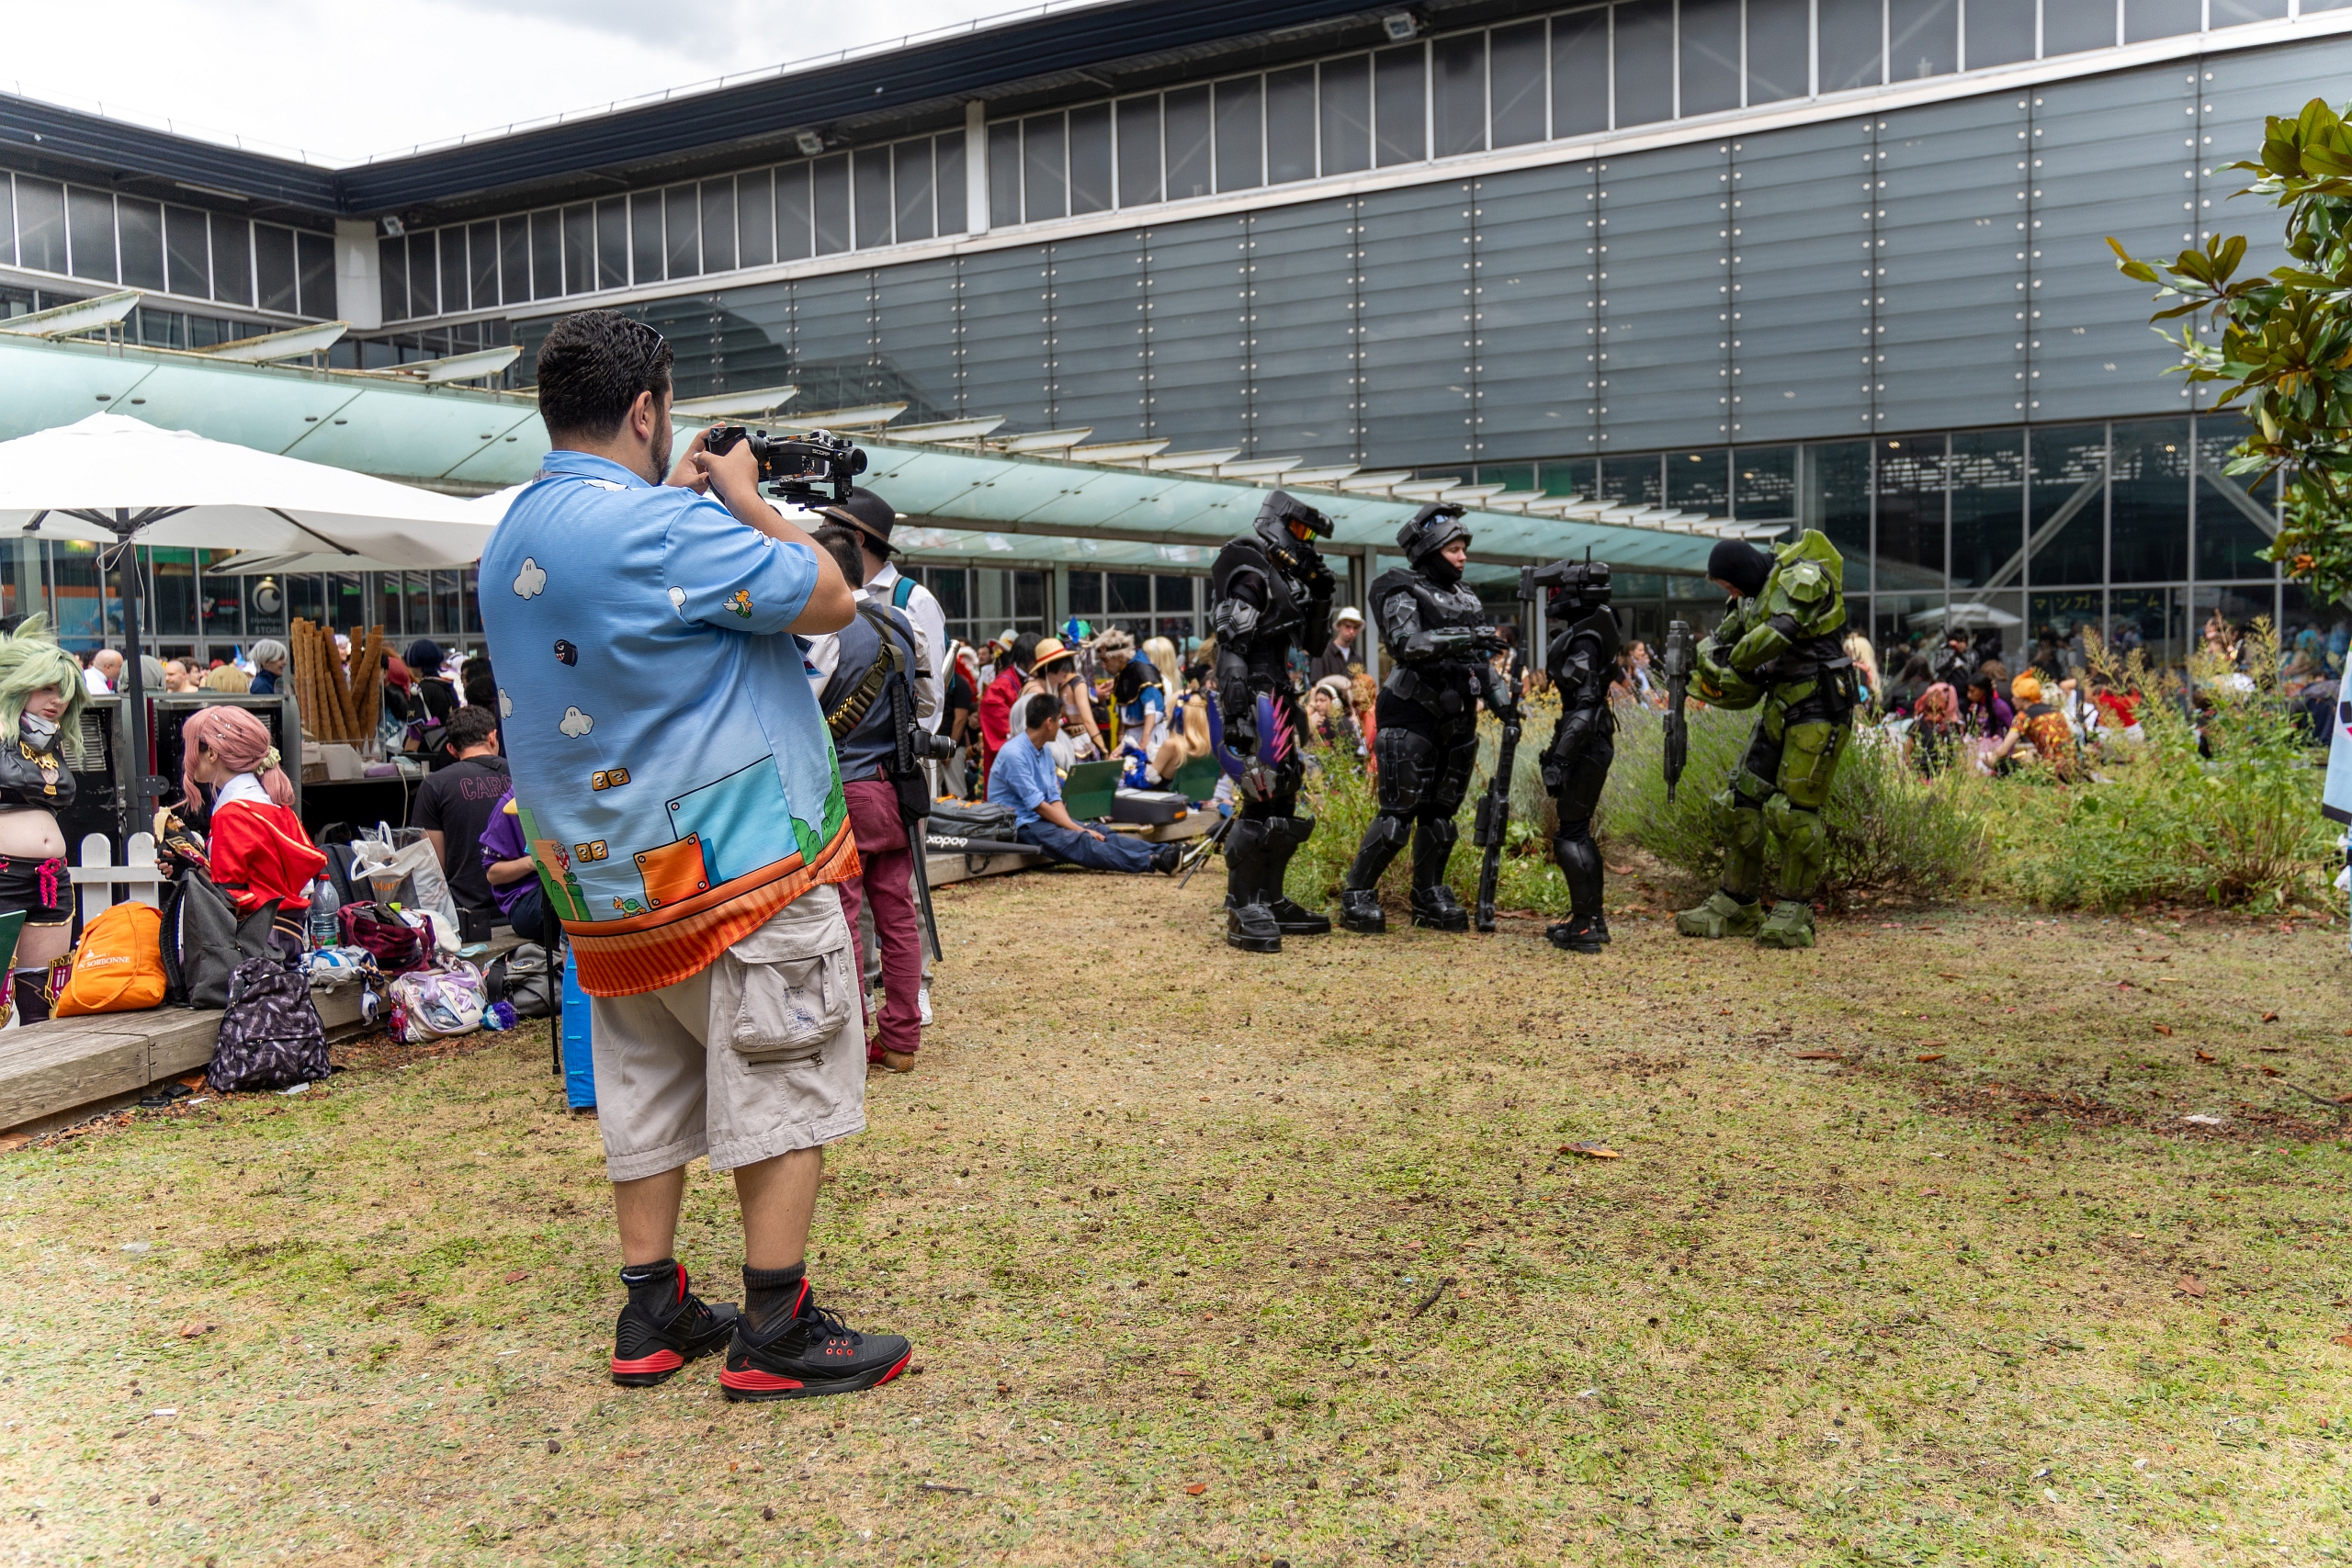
(1781, 646)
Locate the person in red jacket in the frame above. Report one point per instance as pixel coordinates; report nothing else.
(258, 849)
(996, 703)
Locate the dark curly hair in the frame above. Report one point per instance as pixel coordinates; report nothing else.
(591, 367)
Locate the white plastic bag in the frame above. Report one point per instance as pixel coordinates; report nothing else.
(377, 856)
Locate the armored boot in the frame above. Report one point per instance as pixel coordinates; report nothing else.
(1284, 836)
(1579, 860)
(1789, 925)
(1805, 850)
(1249, 923)
(1434, 904)
(1360, 888)
(1721, 916)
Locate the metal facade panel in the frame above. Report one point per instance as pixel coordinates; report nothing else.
(918, 349)
(1665, 296)
(833, 360)
(1950, 276)
(1006, 306)
(1801, 287)
(2112, 156)
(1415, 337)
(1098, 334)
(1302, 331)
(1194, 310)
(1537, 252)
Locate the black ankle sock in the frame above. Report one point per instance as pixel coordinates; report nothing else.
(769, 1294)
(652, 1288)
(1743, 899)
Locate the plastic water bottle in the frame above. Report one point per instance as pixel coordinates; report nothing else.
(325, 930)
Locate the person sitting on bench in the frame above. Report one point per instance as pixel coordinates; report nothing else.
(1025, 780)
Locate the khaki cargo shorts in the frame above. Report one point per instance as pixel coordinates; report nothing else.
(759, 1054)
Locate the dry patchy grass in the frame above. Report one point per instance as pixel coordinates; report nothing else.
(1910, 1258)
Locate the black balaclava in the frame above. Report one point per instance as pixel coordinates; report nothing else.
(1741, 564)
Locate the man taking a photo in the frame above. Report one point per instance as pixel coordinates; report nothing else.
(675, 784)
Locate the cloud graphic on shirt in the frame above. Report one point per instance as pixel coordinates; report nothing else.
(575, 723)
(532, 581)
(677, 598)
(505, 704)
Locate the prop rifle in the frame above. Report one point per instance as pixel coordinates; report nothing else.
(1216, 843)
(1494, 815)
(1679, 661)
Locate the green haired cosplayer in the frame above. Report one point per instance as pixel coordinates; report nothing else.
(30, 660)
(1780, 649)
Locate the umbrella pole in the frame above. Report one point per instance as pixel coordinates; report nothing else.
(140, 801)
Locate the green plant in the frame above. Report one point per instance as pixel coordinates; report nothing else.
(2284, 343)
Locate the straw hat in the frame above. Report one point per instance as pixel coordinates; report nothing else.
(1048, 649)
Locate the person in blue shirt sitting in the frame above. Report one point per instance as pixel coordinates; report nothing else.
(1024, 779)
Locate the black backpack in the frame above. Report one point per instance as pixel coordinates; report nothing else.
(203, 941)
(270, 1036)
(520, 978)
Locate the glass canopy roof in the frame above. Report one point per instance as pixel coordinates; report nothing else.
(963, 498)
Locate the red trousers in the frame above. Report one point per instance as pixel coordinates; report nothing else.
(887, 880)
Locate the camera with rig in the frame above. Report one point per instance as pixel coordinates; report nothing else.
(795, 467)
(1572, 585)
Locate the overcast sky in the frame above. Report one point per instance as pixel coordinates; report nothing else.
(342, 80)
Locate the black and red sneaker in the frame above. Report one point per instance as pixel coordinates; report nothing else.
(663, 1327)
(810, 1352)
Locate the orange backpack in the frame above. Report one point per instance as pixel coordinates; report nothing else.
(118, 964)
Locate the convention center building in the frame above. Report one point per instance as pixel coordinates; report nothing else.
(1837, 263)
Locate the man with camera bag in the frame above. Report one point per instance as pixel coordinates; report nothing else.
(676, 786)
(1441, 644)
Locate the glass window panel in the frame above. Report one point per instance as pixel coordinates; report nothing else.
(1515, 67)
(482, 263)
(274, 267)
(1838, 502)
(265, 607)
(186, 250)
(1399, 101)
(219, 603)
(418, 609)
(947, 158)
(173, 576)
(232, 260)
(452, 242)
(1090, 159)
(1644, 51)
(794, 213)
(1045, 174)
(2232, 526)
(2144, 19)
(1710, 56)
(2320, 632)
(1138, 151)
(385, 587)
(1241, 134)
(1851, 43)
(1171, 594)
(612, 245)
(645, 238)
(2000, 32)
(829, 184)
(1632, 481)
(1290, 125)
(2069, 26)
(514, 256)
(1765, 482)
(1085, 592)
(40, 225)
(2148, 517)
(1005, 174)
(1780, 50)
(1987, 508)
(681, 236)
(718, 225)
(7, 223)
(755, 219)
(314, 259)
(141, 224)
(391, 277)
(2069, 543)
(910, 184)
(1923, 39)
(89, 220)
(2231, 13)
(1126, 594)
(1580, 72)
(1186, 127)
(870, 196)
(1458, 92)
(546, 254)
(1911, 514)
(1345, 107)
(424, 277)
(576, 273)
(1699, 482)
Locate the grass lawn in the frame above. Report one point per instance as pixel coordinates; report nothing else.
(1912, 1254)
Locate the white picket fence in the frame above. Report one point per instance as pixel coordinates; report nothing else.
(97, 876)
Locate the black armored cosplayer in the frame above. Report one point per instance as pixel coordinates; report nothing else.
(1439, 640)
(1582, 661)
(1270, 593)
